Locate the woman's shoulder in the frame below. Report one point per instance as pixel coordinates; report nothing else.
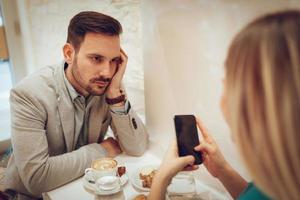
(252, 192)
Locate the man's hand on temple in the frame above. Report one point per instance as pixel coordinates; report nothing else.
(113, 89)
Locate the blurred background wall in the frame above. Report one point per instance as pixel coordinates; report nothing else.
(185, 45)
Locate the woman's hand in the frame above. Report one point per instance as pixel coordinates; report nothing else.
(169, 167)
(172, 163)
(214, 161)
(217, 166)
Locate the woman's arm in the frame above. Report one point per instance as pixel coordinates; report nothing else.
(233, 182)
(217, 166)
(171, 165)
(159, 187)
(214, 162)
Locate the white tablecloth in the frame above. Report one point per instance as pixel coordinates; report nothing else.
(75, 190)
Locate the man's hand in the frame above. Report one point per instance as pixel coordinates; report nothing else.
(111, 146)
(113, 90)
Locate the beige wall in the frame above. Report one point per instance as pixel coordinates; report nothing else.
(15, 37)
(185, 44)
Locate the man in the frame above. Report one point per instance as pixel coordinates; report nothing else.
(61, 114)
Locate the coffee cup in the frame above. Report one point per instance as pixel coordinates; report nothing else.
(101, 167)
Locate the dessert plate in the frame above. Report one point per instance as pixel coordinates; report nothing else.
(135, 177)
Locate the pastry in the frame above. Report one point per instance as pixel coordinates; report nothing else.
(147, 175)
(121, 171)
(140, 197)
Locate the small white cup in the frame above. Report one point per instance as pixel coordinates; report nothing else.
(108, 183)
(183, 184)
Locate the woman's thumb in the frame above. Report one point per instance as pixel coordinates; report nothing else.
(187, 160)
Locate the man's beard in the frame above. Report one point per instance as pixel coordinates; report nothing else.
(90, 87)
(92, 81)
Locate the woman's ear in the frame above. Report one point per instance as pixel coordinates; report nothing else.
(223, 102)
(69, 53)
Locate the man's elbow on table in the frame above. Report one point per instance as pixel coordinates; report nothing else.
(35, 191)
(137, 149)
(34, 188)
(35, 180)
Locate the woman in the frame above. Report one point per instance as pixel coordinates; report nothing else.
(261, 104)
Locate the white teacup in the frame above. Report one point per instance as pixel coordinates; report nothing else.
(183, 184)
(108, 183)
(100, 168)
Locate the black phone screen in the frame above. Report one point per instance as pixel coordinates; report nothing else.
(187, 136)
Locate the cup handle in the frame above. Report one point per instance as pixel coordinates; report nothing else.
(88, 170)
(89, 175)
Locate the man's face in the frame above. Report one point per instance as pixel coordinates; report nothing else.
(95, 62)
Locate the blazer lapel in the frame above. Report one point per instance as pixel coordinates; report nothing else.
(65, 108)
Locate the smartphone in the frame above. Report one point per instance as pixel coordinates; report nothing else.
(187, 136)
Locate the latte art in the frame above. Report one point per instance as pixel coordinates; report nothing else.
(104, 164)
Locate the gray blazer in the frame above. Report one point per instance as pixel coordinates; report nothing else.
(42, 132)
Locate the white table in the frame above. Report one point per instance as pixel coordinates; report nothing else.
(75, 190)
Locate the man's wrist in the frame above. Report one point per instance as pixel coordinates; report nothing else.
(113, 93)
(115, 97)
(121, 104)
(118, 101)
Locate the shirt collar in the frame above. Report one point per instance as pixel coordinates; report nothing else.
(72, 92)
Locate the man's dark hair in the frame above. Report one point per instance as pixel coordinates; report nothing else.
(91, 22)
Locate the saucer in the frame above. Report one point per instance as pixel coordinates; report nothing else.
(108, 182)
(93, 188)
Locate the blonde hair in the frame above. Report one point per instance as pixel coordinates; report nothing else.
(263, 99)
